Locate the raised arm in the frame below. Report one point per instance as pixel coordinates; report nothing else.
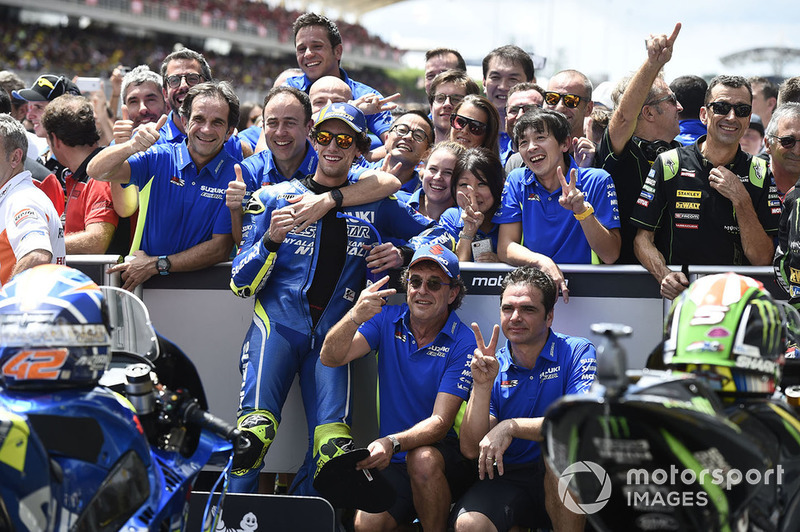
(111, 164)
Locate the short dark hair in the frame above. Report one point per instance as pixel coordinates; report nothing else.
(71, 119)
(789, 91)
(524, 87)
(511, 54)
(691, 92)
(461, 64)
(12, 82)
(213, 89)
(424, 116)
(457, 77)
(312, 19)
(769, 89)
(533, 277)
(491, 140)
(459, 282)
(486, 166)
(301, 96)
(5, 102)
(733, 82)
(543, 121)
(186, 53)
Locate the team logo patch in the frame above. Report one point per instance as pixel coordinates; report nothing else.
(794, 291)
(647, 195)
(718, 332)
(688, 193)
(175, 180)
(775, 210)
(23, 215)
(509, 383)
(687, 173)
(774, 203)
(711, 347)
(533, 196)
(687, 226)
(794, 276)
(687, 216)
(691, 205)
(643, 202)
(349, 294)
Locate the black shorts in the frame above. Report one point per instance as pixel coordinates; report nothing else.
(514, 499)
(460, 474)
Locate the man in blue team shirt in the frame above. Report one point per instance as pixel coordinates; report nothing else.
(318, 47)
(511, 391)
(183, 223)
(423, 379)
(547, 219)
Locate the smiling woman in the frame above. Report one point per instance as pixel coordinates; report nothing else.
(475, 123)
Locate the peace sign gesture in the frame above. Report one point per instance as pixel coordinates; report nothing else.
(484, 364)
(470, 215)
(571, 198)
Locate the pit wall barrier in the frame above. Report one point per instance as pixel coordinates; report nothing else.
(198, 312)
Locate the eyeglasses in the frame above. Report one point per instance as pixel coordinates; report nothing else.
(570, 100)
(669, 97)
(434, 285)
(174, 81)
(528, 107)
(476, 127)
(417, 134)
(455, 99)
(723, 108)
(343, 140)
(787, 142)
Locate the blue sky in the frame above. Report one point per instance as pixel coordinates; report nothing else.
(603, 38)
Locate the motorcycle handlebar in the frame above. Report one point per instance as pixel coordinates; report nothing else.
(195, 415)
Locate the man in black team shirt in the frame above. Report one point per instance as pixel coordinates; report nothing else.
(710, 202)
(643, 125)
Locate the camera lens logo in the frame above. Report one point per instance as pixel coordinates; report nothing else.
(582, 468)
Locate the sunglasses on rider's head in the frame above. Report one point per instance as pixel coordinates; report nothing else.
(723, 108)
(570, 100)
(191, 79)
(343, 140)
(434, 284)
(476, 127)
(787, 142)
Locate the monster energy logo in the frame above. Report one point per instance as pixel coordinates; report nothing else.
(615, 427)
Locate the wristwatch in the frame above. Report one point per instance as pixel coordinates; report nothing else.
(163, 265)
(395, 444)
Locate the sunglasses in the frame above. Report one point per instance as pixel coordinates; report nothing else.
(191, 79)
(476, 127)
(434, 285)
(669, 97)
(570, 100)
(343, 140)
(455, 99)
(527, 108)
(787, 142)
(402, 130)
(723, 108)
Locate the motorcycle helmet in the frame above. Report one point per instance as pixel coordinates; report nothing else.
(53, 330)
(727, 330)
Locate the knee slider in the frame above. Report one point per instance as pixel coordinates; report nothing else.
(259, 428)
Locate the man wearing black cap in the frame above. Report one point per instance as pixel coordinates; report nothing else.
(423, 379)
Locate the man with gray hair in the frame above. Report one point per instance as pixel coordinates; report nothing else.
(30, 228)
(142, 101)
(185, 224)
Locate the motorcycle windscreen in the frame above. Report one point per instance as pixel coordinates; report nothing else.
(131, 329)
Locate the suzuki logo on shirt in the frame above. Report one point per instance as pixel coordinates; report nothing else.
(549, 373)
(437, 351)
(175, 180)
(534, 197)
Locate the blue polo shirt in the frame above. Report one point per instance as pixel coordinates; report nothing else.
(379, 123)
(411, 199)
(260, 169)
(170, 134)
(566, 365)
(410, 376)
(547, 227)
(506, 150)
(451, 221)
(409, 186)
(251, 135)
(179, 207)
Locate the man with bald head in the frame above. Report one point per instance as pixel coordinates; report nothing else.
(570, 93)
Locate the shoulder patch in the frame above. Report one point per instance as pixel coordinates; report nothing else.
(758, 171)
(254, 205)
(670, 164)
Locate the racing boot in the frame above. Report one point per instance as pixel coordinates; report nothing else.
(259, 427)
(331, 440)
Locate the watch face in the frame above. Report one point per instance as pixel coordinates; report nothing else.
(163, 264)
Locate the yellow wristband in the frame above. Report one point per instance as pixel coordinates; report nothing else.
(585, 214)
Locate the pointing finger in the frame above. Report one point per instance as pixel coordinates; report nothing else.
(675, 32)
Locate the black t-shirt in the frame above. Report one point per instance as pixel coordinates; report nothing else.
(693, 223)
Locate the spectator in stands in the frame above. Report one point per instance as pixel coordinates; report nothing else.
(552, 210)
(283, 264)
(186, 225)
(781, 138)
(789, 91)
(570, 93)
(474, 123)
(765, 98)
(318, 46)
(511, 391)
(30, 229)
(445, 93)
(597, 123)
(11, 82)
(439, 60)
(441, 168)
(503, 68)
(690, 92)
(477, 189)
(643, 125)
(423, 379)
(752, 142)
(89, 218)
(682, 221)
(521, 98)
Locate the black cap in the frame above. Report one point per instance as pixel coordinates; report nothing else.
(47, 88)
(346, 487)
